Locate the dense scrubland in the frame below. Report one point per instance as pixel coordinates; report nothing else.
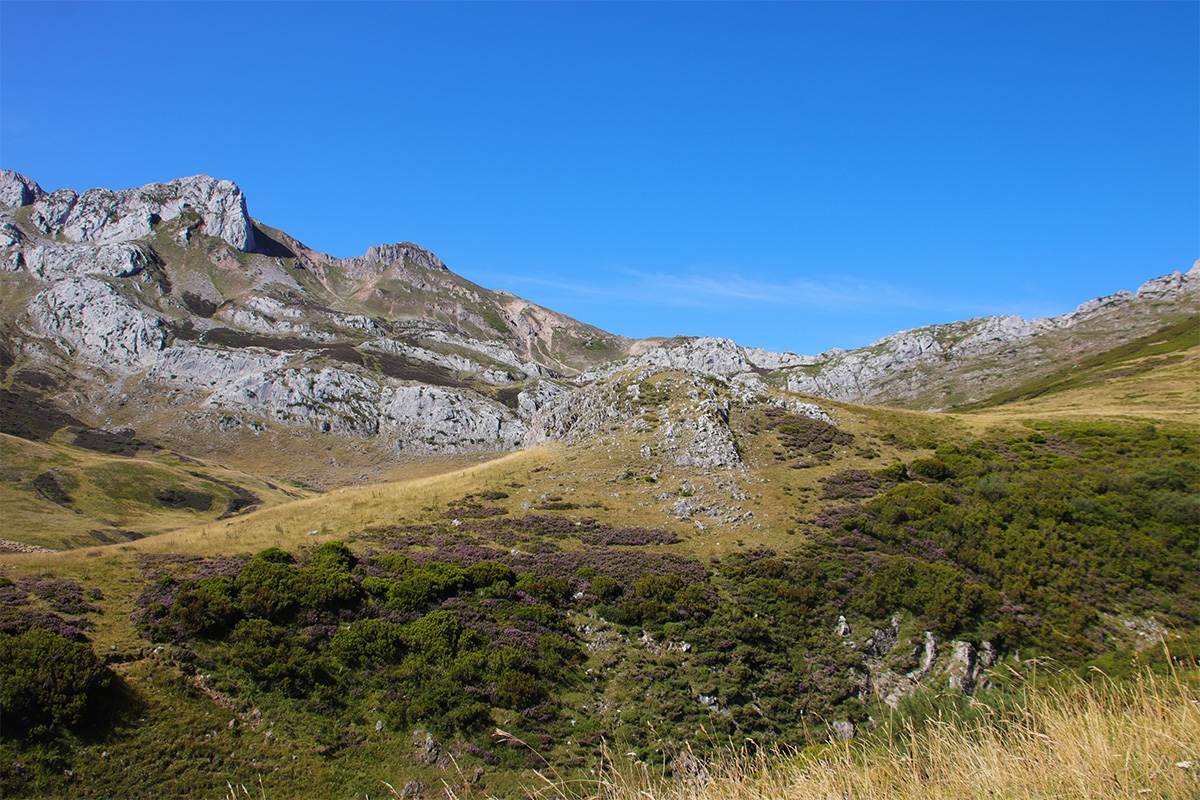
(1072, 544)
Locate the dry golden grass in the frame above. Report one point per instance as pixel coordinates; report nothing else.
(1170, 392)
(1106, 739)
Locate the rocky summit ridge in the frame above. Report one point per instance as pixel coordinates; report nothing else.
(170, 309)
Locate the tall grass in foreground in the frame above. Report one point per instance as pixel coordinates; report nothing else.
(1105, 739)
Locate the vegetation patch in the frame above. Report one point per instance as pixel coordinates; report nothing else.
(183, 498)
(123, 442)
(28, 417)
(47, 486)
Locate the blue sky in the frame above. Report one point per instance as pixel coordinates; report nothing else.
(795, 176)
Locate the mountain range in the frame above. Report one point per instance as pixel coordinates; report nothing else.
(333, 522)
(169, 310)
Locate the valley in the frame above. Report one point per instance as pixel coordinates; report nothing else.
(321, 524)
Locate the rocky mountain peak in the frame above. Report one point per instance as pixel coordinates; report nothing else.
(104, 216)
(381, 256)
(16, 190)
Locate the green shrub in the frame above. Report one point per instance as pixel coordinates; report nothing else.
(369, 642)
(326, 588)
(207, 607)
(486, 573)
(46, 681)
(267, 588)
(606, 589)
(334, 556)
(933, 469)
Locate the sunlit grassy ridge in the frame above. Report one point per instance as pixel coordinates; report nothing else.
(60, 496)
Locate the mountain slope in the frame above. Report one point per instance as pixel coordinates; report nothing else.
(682, 553)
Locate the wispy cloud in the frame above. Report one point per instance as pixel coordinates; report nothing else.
(706, 289)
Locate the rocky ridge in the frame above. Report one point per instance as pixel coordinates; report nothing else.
(170, 300)
(935, 366)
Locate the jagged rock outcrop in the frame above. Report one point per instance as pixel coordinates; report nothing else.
(421, 419)
(95, 324)
(16, 190)
(707, 355)
(383, 256)
(58, 262)
(102, 215)
(690, 410)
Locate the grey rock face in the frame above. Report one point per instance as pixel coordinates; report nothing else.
(10, 236)
(693, 429)
(57, 262)
(16, 190)
(382, 256)
(97, 325)
(421, 419)
(698, 435)
(538, 396)
(331, 400)
(706, 355)
(206, 369)
(102, 215)
(435, 420)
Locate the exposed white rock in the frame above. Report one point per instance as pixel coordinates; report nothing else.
(537, 396)
(102, 215)
(422, 419)
(50, 212)
(17, 190)
(10, 236)
(357, 322)
(434, 420)
(54, 262)
(96, 324)
(249, 320)
(381, 256)
(765, 359)
(328, 399)
(1173, 286)
(699, 437)
(272, 307)
(694, 433)
(190, 366)
(967, 667)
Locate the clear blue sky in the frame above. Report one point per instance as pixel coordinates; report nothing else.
(795, 176)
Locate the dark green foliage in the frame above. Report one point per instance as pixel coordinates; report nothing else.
(183, 498)
(933, 469)
(268, 588)
(369, 642)
(1030, 540)
(326, 588)
(605, 588)
(275, 658)
(334, 556)
(47, 681)
(486, 573)
(207, 607)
